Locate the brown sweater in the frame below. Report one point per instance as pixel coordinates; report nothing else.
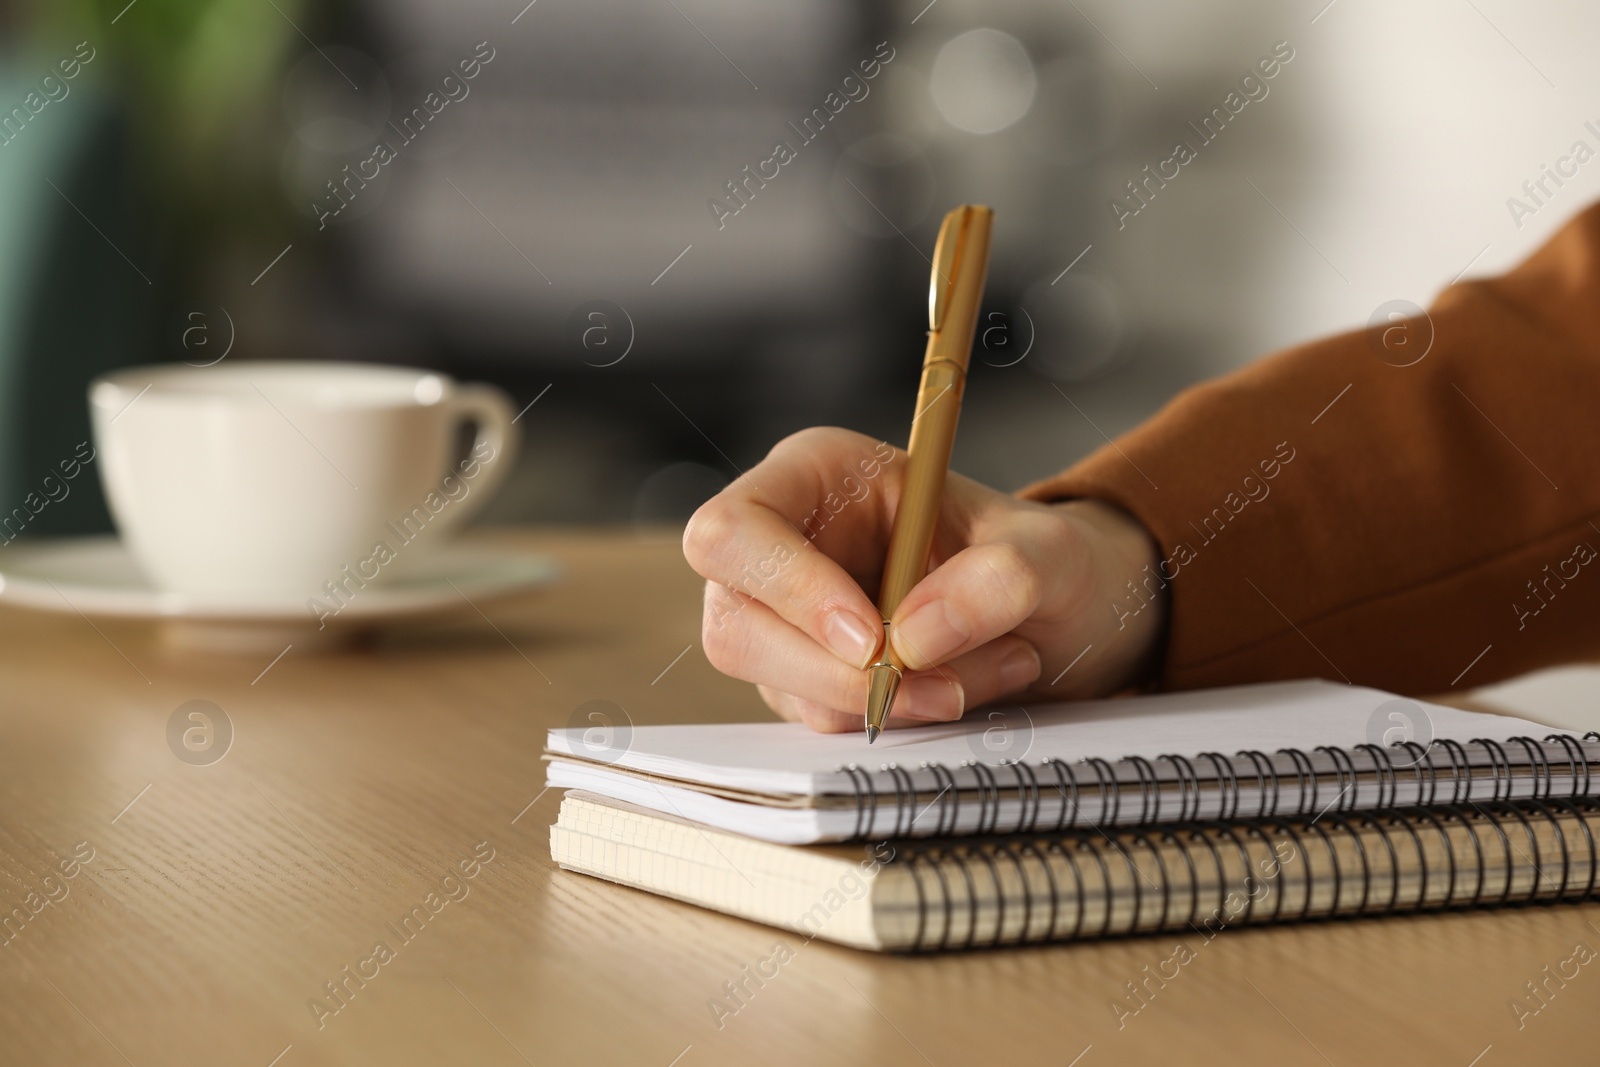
(1434, 528)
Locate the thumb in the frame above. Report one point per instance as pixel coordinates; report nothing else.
(978, 594)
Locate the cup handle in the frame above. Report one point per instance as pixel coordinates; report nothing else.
(495, 448)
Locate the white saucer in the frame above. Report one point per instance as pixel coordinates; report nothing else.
(95, 576)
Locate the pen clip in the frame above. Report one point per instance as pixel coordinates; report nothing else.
(946, 255)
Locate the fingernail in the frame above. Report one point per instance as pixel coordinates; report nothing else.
(928, 696)
(851, 639)
(1018, 669)
(931, 633)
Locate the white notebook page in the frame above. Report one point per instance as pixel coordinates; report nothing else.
(790, 759)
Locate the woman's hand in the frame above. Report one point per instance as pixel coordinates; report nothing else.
(1021, 599)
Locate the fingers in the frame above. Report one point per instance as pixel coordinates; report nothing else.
(803, 682)
(786, 549)
(746, 539)
(1003, 667)
(825, 720)
(752, 642)
(749, 548)
(981, 592)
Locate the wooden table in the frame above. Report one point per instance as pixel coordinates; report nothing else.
(219, 899)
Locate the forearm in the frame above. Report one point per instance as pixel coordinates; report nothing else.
(1325, 512)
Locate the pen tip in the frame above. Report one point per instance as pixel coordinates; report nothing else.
(883, 681)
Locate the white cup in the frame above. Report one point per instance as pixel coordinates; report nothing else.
(270, 478)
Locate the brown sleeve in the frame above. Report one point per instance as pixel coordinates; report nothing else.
(1325, 512)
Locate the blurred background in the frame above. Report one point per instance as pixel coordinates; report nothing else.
(567, 207)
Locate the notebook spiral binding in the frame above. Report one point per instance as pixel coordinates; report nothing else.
(1504, 851)
(1029, 783)
(1022, 866)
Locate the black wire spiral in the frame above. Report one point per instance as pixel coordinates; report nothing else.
(1205, 877)
(1012, 797)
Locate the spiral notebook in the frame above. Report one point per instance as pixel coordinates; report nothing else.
(1250, 752)
(1198, 878)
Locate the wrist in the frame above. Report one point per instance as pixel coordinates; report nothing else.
(1130, 597)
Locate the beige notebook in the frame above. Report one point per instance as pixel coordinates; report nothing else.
(1291, 748)
(1083, 884)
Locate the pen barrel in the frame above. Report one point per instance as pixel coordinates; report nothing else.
(960, 268)
(962, 264)
(916, 518)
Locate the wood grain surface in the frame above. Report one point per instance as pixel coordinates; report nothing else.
(211, 906)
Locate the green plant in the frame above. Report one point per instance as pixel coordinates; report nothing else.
(196, 83)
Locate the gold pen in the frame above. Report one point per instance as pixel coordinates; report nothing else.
(960, 264)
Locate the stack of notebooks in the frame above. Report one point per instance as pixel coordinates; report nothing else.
(1202, 810)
